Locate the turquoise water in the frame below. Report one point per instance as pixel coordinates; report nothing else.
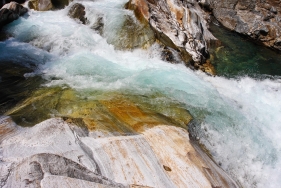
(237, 120)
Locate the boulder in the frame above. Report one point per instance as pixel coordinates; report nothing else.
(77, 11)
(108, 112)
(15, 8)
(45, 5)
(3, 2)
(10, 12)
(180, 25)
(54, 154)
(258, 19)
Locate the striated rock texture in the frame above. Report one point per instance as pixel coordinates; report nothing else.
(55, 153)
(180, 25)
(258, 19)
(10, 12)
(45, 5)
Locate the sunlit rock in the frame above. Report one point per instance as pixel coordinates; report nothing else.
(54, 153)
(180, 25)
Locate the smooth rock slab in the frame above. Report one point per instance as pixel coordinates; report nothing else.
(52, 153)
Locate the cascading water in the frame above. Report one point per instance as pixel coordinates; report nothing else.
(237, 120)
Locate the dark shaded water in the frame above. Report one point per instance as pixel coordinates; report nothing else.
(239, 56)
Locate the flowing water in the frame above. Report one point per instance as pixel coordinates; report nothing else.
(236, 119)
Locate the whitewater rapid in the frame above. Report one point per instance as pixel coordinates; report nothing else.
(237, 120)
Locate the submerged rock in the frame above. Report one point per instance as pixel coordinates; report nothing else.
(110, 113)
(258, 19)
(133, 34)
(52, 154)
(77, 11)
(99, 25)
(45, 5)
(10, 12)
(180, 25)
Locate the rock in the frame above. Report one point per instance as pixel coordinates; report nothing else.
(77, 11)
(180, 25)
(45, 5)
(10, 12)
(51, 154)
(7, 127)
(205, 4)
(46, 168)
(258, 19)
(110, 113)
(273, 10)
(3, 2)
(167, 168)
(7, 16)
(98, 25)
(170, 55)
(133, 34)
(15, 8)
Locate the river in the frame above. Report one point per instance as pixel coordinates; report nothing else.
(236, 114)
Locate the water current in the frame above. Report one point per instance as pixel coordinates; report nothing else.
(236, 114)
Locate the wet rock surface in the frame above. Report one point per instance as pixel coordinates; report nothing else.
(10, 12)
(180, 25)
(111, 113)
(77, 11)
(258, 19)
